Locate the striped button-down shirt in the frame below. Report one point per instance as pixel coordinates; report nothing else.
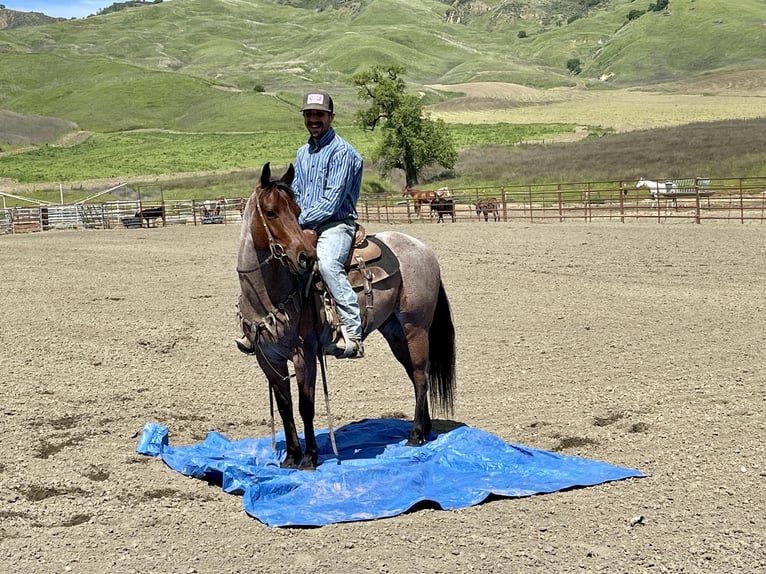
(328, 179)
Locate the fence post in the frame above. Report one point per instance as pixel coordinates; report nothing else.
(622, 191)
(561, 206)
(697, 219)
(531, 218)
(505, 204)
(741, 203)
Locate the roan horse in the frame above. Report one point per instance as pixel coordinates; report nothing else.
(278, 313)
(488, 206)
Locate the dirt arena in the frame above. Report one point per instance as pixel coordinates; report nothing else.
(640, 345)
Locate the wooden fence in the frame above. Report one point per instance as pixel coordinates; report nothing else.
(737, 200)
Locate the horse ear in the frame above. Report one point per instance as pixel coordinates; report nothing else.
(289, 175)
(265, 175)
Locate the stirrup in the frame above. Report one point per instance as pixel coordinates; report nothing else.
(353, 351)
(344, 347)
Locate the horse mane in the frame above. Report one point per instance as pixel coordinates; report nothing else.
(281, 185)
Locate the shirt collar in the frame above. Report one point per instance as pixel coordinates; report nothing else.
(315, 146)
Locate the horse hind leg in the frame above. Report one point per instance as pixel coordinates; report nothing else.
(411, 350)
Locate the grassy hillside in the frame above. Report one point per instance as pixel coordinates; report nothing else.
(135, 154)
(205, 68)
(197, 65)
(281, 46)
(693, 37)
(19, 129)
(101, 94)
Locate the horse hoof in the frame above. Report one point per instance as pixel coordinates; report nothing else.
(288, 463)
(416, 441)
(307, 465)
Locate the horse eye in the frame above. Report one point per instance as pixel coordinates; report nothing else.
(271, 214)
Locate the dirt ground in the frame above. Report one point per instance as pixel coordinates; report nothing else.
(637, 344)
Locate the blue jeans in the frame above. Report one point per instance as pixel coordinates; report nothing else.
(333, 246)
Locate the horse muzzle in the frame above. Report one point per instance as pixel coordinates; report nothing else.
(305, 254)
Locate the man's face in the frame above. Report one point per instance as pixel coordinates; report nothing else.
(317, 122)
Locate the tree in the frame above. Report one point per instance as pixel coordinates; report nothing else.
(574, 65)
(411, 139)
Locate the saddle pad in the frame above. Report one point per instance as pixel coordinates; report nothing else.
(377, 475)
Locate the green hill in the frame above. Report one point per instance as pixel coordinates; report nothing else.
(225, 66)
(210, 50)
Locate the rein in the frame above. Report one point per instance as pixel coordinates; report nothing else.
(277, 252)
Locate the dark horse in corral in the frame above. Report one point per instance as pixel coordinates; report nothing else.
(443, 206)
(279, 314)
(151, 213)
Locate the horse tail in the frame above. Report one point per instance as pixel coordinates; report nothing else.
(441, 355)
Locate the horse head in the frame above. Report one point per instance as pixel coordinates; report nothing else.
(271, 222)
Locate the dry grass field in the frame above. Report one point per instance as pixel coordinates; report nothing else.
(730, 96)
(636, 344)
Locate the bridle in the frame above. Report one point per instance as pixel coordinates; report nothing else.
(275, 314)
(277, 251)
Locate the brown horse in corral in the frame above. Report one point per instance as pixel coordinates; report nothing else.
(488, 206)
(279, 313)
(419, 197)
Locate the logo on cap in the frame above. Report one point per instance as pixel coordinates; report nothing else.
(315, 99)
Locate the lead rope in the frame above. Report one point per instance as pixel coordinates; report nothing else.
(327, 404)
(322, 367)
(271, 412)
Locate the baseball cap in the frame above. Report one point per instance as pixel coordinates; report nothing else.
(317, 100)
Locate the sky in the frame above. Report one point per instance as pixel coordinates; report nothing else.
(59, 8)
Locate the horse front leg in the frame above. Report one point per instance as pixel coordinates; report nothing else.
(279, 383)
(305, 362)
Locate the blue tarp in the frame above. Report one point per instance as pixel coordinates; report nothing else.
(377, 475)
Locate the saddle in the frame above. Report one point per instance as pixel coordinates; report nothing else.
(369, 262)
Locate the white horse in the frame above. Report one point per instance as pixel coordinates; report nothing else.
(659, 189)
